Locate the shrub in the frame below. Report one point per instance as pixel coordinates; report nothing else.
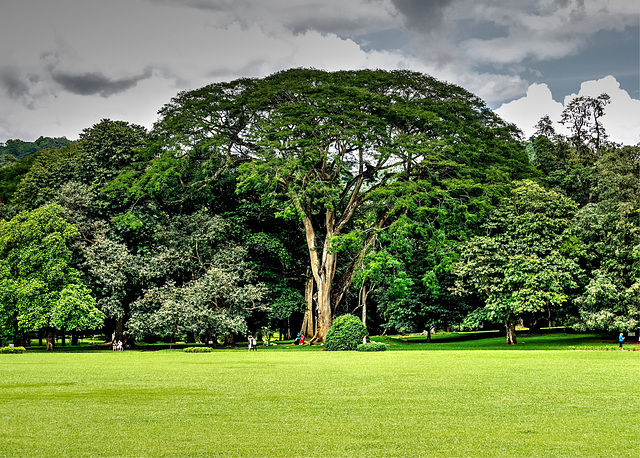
(197, 350)
(372, 346)
(12, 350)
(346, 333)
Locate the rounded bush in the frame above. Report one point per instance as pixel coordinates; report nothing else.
(372, 346)
(346, 333)
(197, 350)
(9, 350)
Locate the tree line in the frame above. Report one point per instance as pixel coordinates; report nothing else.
(280, 203)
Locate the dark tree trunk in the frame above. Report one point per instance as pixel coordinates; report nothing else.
(228, 341)
(120, 329)
(74, 338)
(50, 336)
(511, 332)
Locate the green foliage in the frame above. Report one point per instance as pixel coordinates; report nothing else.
(527, 261)
(50, 170)
(372, 346)
(39, 287)
(21, 149)
(11, 173)
(198, 350)
(106, 148)
(610, 230)
(346, 333)
(287, 301)
(12, 350)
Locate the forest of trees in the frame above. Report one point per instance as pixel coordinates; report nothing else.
(277, 204)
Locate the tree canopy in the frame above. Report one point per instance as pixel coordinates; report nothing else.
(286, 201)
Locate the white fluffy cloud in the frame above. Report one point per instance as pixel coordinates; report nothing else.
(621, 121)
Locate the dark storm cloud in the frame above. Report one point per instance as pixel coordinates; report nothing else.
(422, 15)
(95, 83)
(14, 84)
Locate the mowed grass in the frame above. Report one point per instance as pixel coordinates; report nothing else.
(495, 403)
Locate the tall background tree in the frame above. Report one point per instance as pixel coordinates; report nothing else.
(602, 177)
(526, 262)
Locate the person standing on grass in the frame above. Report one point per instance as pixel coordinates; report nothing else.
(250, 342)
(621, 339)
(254, 342)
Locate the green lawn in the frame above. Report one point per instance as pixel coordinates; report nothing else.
(495, 340)
(289, 403)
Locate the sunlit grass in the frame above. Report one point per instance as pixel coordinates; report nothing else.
(314, 403)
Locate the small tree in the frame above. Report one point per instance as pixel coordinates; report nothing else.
(525, 263)
(39, 289)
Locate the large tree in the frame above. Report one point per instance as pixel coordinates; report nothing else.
(322, 146)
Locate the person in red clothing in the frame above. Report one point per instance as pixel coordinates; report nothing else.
(301, 339)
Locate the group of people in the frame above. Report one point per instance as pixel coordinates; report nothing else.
(117, 345)
(253, 343)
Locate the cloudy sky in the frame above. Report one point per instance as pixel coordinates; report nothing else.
(66, 64)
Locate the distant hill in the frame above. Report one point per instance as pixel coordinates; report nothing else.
(21, 149)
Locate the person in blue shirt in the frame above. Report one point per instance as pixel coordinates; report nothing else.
(621, 339)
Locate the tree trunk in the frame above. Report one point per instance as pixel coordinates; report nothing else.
(363, 302)
(50, 337)
(308, 325)
(323, 268)
(74, 337)
(63, 339)
(324, 263)
(511, 332)
(120, 329)
(325, 310)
